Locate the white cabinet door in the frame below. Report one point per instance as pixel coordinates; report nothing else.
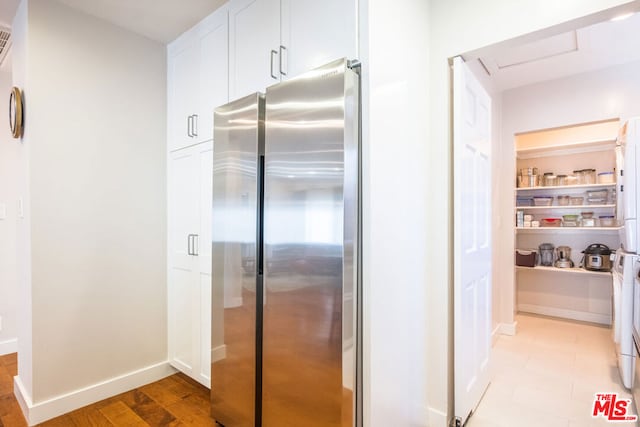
(189, 278)
(183, 218)
(213, 70)
(316, 32)
(254, 43)
(182, 92)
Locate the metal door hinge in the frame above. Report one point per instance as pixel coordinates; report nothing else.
(455, 422)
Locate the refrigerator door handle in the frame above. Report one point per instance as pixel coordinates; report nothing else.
(283, 50)
(273, 52)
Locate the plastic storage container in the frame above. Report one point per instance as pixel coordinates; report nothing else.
(549, 180)
(551, 222)
(607, 221)
(598, 197)
(606, 178)
(542, 201)
(562, 179)
(569, 220)
(524, 201)
(563, 200)
(576, 201)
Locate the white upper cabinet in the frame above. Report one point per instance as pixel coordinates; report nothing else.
(273, 40)
(254, 46)
(316, 32)
(182, 93)
(198, 64)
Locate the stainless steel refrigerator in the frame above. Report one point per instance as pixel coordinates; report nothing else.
(285, 274)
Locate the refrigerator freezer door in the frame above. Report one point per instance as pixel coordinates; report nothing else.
(310, 220)
(237, 128)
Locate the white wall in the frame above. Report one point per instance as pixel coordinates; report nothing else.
(457, 27)
(9, 176)
(393, 49)
(95, 130)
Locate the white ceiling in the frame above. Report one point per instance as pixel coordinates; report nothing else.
(160, 20)
(591, 48)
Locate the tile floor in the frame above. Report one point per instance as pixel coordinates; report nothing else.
(547, 375)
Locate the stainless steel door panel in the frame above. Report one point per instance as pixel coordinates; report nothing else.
(233, 359)
(310, 217)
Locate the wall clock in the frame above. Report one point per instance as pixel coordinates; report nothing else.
(15, 112)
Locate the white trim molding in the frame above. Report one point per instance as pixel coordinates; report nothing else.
(508, 328)
(436, 417)
(604, 319)
(36, 413)
(8, 346)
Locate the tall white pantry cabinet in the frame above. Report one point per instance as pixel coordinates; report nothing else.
(241, 48)
(197, 83)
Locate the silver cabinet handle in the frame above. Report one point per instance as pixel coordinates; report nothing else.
(282, 50)
(189, 126)
(189, 236)
(191, 133)
(273, 52)
(196, 243)
(195, 125)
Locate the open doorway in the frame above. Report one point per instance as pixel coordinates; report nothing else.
(551, 333)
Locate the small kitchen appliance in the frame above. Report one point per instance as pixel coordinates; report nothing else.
(545, 252)
(597, 257)
(563, 257)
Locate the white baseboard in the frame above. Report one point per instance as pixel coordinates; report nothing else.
(218, 353)
(436, 418)
(495, 333)
(508, 328)
(8, 346)
(583, 316)
(36, 413)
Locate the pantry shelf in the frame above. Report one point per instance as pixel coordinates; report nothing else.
(571, 148)
(573, 270)
(566, 187)
(527, 208)
(568, 230)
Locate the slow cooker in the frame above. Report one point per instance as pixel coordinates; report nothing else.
(597, 257)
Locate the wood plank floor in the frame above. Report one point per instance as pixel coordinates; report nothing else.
(173, 401)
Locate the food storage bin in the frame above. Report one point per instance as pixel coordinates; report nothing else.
(572, 180)
(563, 200)
(579, 174)
(570, 220)
(576, 201)
(524, 201)
(549, 179)
(589, 176)
(586, 215)
(542, 201)
(525, 181)
(562, 179)
(588, 222)
(606, 178)
(597, 194)
(526, 258)
(607, 221)
(551, 222)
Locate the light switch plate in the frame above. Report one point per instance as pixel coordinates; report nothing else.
(3, 211)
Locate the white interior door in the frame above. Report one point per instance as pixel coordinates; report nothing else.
(472, 239)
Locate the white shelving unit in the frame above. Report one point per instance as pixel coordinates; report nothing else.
(572, 270)
(573, 293)
(567, 230)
